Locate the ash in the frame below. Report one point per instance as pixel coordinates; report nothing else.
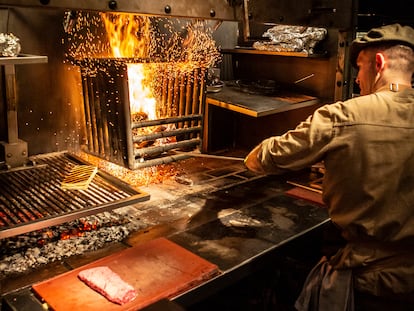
(29, 251)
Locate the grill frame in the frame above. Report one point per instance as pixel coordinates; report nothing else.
(40, 195)
(110, 126)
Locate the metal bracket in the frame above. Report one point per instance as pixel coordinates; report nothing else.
(14, 149)
(15, 154)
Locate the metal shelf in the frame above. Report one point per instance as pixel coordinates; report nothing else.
(250, 50)
(23, 59)
(259, 105)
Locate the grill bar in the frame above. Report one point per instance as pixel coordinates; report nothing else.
(158, 161)
(28, 209)
(150, 151)
(50, 191)
(31, 198)
(163, 134)
(147, 123)
(30, 195)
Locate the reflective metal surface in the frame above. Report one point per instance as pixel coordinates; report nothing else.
(238, 226)
(211, 9)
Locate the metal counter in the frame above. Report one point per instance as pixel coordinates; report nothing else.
(256, 105)
(235, 222)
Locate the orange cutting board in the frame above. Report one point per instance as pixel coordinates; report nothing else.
(156, 269)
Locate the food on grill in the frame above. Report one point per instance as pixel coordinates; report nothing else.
(109, 284)
(79, 177)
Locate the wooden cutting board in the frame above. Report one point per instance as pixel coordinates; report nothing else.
(156, 269)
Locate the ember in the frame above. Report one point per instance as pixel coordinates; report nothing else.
(136, 178)
(28, 251)
(185, 44)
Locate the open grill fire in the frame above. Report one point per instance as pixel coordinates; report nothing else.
(119, 134)
(143, 92)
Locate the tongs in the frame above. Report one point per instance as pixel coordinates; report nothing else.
(206, 155)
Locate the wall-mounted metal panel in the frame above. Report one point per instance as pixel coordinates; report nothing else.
(322, 13)
(206, 9)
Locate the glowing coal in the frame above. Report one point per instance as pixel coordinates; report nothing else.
(28, 251)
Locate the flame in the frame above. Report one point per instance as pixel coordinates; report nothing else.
(141, 97)
(129, 37)
(172, 48)
(128, 34)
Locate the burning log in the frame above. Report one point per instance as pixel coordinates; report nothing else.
(139, 116)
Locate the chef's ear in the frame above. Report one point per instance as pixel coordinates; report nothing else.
(379, 61)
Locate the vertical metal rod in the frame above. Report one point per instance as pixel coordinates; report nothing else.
(103, 109)
(181, 105)
(202, 95)
(94, 129)
(176, 95)
(99, 97)
(126, 118)
(170, 90)
(246, 20)
(188, 97)
(202, 85)
(195, 92)
(110, 122)
(196, 97)
(164, 95)
(87, 109)
(11, 96)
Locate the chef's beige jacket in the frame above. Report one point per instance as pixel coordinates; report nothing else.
(367, 145)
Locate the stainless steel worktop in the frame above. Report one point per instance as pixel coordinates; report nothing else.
(255, 105)
(234, 220)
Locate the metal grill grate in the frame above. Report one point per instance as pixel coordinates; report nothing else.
(116, 135)
(32, 198)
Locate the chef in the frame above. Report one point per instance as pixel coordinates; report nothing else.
(367, 146)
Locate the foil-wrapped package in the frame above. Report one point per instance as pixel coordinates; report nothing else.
(288, 38)
(9, 45)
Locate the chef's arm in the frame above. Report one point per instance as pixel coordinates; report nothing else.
(261, 161)
(252, 161)
(295, 149)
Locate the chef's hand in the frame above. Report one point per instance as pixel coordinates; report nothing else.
(252, 162)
